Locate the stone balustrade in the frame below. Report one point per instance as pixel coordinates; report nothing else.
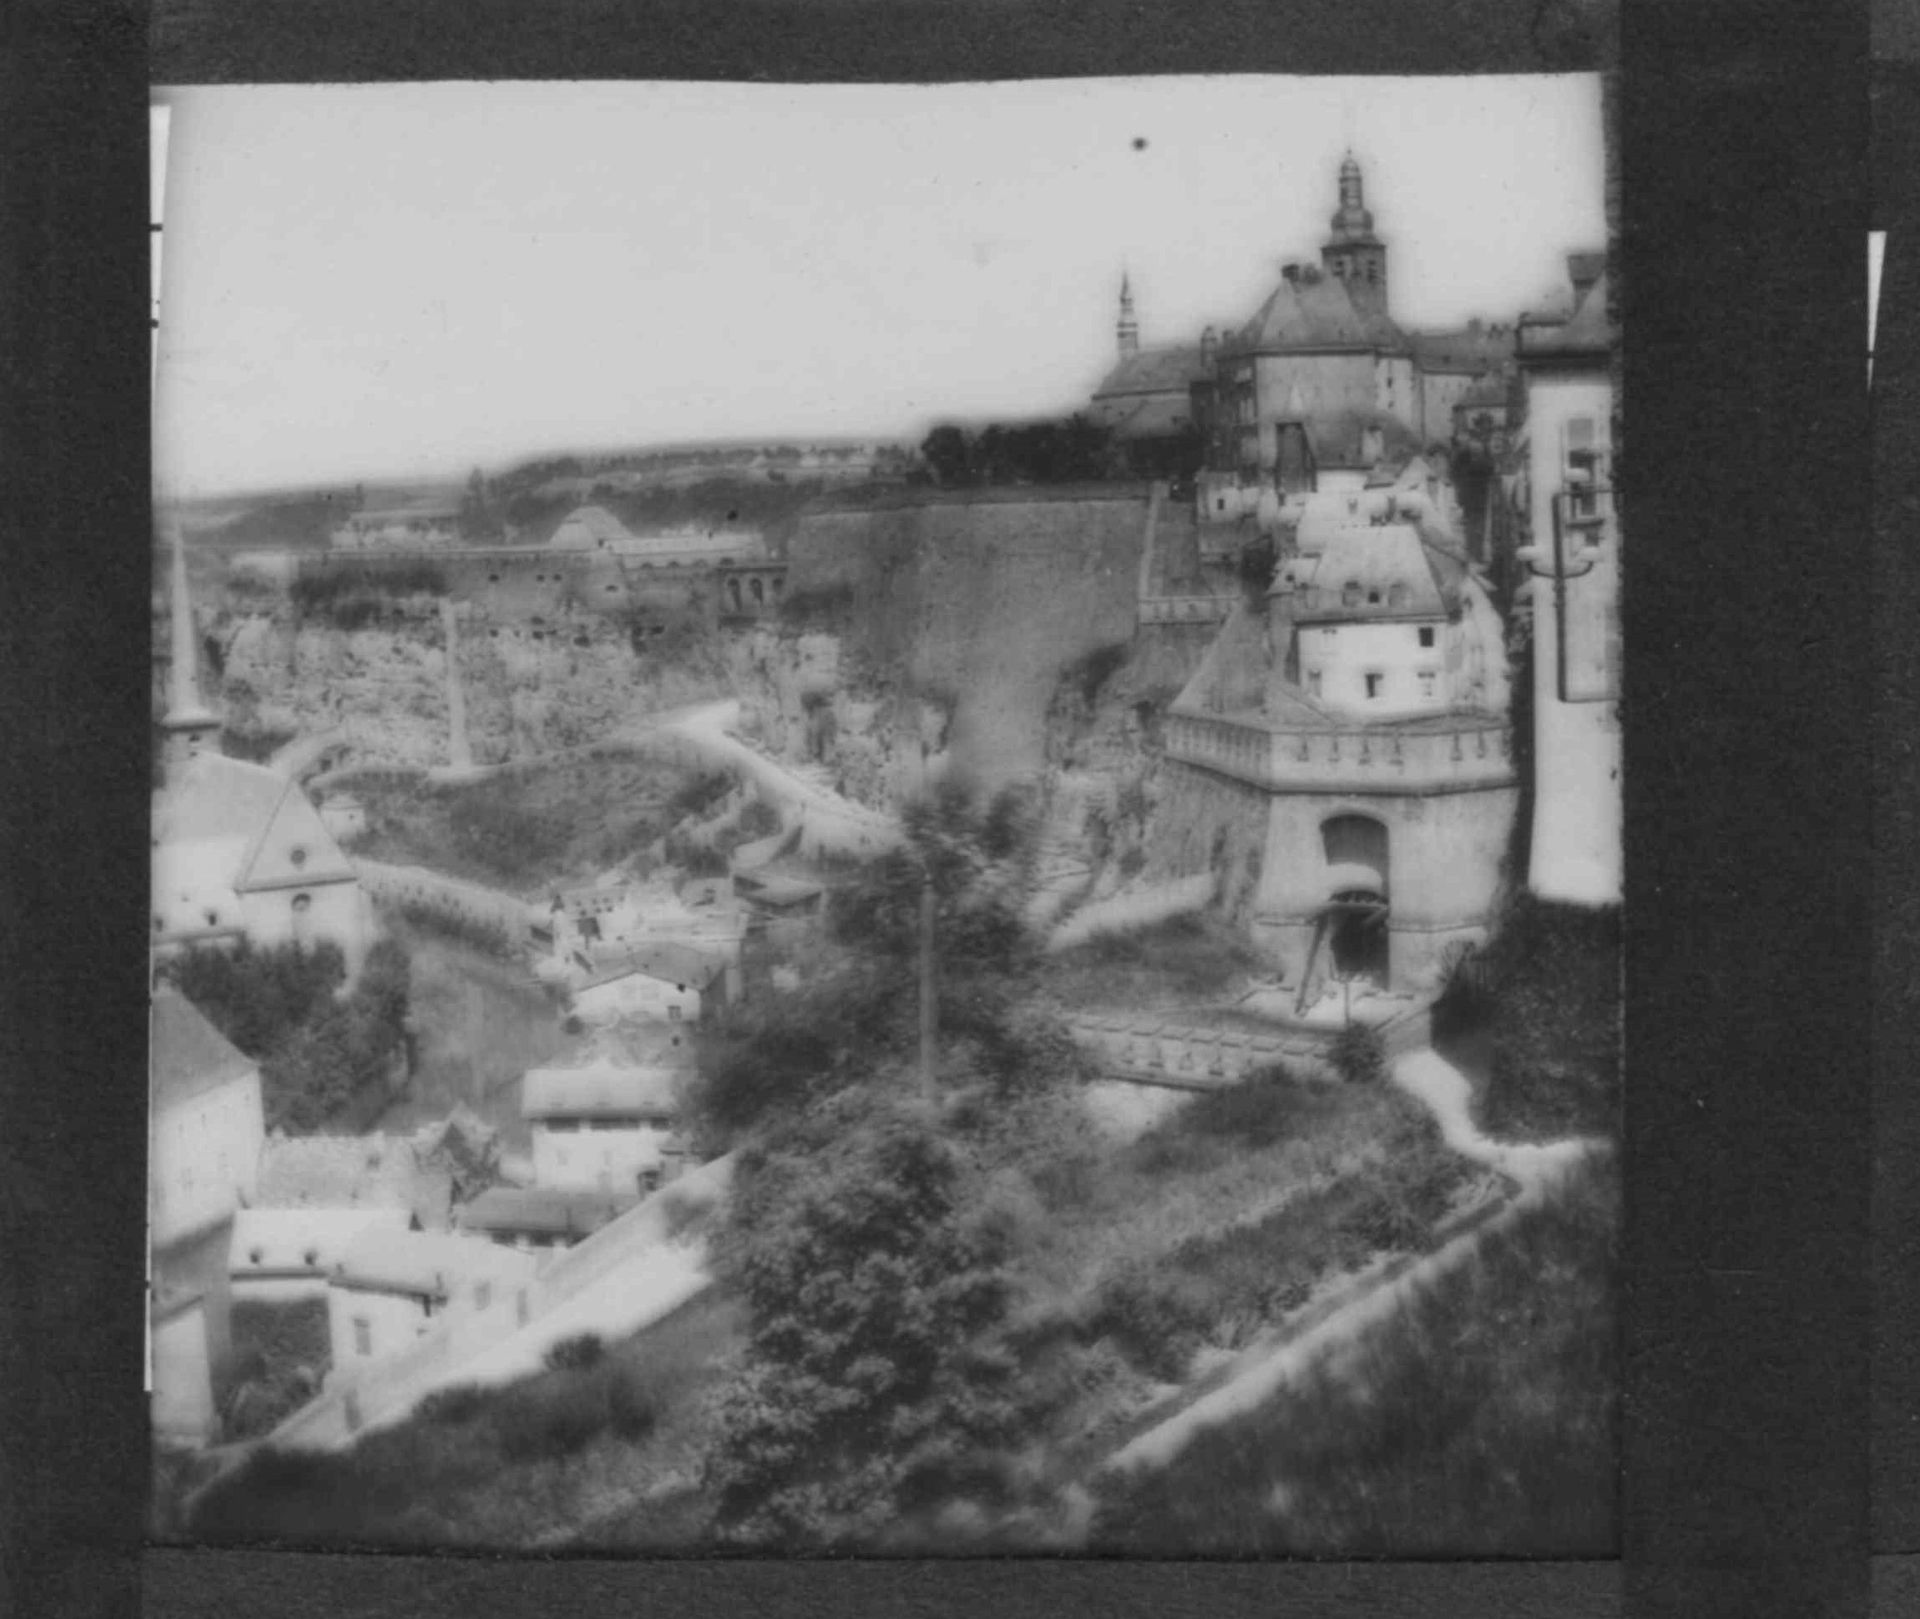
(1468, 754)
(1186, 609)
(1175, 1053)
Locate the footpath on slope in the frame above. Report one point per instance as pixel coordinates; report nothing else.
(1528, 1170)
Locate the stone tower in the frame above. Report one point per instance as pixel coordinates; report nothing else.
(190, 726)
(1128, 329)
(1353, 253)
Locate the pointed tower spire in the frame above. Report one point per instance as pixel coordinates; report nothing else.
(1129, 329)
(1353, 254)
(189, 724)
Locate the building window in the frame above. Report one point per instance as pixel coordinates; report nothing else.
(1373, 678)
(297, 854)
(1426, 635)
(673, 1014)
(1313, 682)
(302, 902)
(1426, 682)
(362, 1336)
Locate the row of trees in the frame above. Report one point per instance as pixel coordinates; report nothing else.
(1071, 451)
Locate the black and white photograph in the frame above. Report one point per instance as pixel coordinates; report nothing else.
(887, 819)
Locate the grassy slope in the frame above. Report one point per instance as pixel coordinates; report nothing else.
(525, 830)
(1186, 960)
(1479, 1422)
(477, 1477)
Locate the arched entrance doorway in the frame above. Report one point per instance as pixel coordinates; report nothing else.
(1359, 897)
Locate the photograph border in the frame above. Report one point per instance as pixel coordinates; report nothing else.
(1750, 872)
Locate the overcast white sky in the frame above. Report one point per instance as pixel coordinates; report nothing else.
(369, 281)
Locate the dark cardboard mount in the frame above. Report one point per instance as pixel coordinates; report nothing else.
(1770, 621)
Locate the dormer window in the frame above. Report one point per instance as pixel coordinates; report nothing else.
(1373, 598)
(1350, 594)
(1426, 635)
(298, 854)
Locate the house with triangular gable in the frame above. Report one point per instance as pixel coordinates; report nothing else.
(239, 851)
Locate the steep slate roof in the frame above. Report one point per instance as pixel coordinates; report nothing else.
(1313, 313)
(1389, 561)
(660, 959)
(214, 798)
(1339, 438)
(1465, 348)
(189, 1055)
(1157, 416)
(215, 822)
(1152, 371)
(1584, 329)
(1590, 327)
(542, 1211)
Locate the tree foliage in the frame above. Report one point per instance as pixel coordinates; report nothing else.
(874, 1384)
(1071, 451)
(860, 1011)
(318, 1052)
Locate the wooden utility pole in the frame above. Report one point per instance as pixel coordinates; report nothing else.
(927, 1014)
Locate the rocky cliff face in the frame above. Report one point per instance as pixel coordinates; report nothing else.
(994, 639)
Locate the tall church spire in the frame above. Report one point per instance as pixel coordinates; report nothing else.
(1129, 329)
(190, 725)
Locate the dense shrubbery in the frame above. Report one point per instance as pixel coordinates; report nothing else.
(318, 1053)
(1545, 994)
(1479, 1421)
(576, 1354)
(350, 597)
(1358, 1054)
(394, 1484)
(874, 1387)
(860, 1012)
(1221, 1286)
(1071, 451)
(282, 1350)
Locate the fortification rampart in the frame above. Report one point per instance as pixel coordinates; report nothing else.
(517, 583)
(980, 600)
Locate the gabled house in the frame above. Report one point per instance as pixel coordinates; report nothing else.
(606, 1126)
(238, 850)
(205, 1130)
(240, 853)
